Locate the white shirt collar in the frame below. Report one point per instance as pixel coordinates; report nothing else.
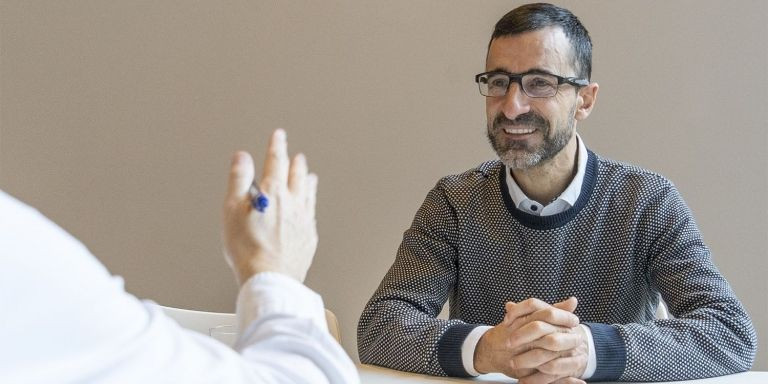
(563, 202)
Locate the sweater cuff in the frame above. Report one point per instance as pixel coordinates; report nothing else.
(449, 349)
(610, 351)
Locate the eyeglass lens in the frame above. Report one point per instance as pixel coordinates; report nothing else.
(533, 84)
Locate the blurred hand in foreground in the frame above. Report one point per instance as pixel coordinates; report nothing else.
(282, 238)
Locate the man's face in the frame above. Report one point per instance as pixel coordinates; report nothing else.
(527, 131)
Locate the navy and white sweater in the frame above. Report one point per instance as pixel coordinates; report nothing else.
(628, 239)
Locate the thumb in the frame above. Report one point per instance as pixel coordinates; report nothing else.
(568, 304)
(241, 174)
(509, 306)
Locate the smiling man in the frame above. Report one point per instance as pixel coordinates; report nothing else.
(554, 258)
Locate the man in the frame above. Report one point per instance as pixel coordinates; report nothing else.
(66, 320)
(554, 258)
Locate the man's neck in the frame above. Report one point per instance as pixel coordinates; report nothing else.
(546, 181)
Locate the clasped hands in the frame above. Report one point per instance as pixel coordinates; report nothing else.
(536, 343)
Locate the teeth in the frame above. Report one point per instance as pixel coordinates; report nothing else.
(518, 131)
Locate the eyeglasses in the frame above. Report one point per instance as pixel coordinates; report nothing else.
(534, 84)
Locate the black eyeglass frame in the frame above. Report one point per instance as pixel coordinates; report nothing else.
(518, 78)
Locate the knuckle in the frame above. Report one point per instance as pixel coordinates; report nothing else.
(530, 303)
(508, 343)
(537, 303)
(538, 326)
(550, 341)
(549, 313)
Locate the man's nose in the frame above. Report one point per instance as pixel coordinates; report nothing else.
(515, 102)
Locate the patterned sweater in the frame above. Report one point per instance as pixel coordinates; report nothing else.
(628, 240)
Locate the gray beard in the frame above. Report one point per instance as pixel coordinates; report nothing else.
(517, 154)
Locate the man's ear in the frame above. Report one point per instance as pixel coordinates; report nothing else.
(586, 100)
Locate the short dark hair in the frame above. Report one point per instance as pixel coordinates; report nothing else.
(531, 17)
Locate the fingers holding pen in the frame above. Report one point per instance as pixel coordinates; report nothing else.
(241, 174)
(282, 173)
(278, 232)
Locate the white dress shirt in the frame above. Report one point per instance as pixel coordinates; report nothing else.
(562, 203)
(65, 319)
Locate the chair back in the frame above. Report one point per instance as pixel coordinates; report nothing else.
(333, 325)
(200, 321)
(203, 322)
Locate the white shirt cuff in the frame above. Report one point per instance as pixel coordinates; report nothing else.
(592, 359)
(468, 349)
(269, 294)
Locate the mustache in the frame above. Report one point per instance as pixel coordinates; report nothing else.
(530, 119)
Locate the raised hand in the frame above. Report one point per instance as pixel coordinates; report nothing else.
(283, 237)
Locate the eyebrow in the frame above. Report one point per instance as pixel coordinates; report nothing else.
(531, 70)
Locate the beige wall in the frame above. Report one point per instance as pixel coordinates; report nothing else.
(118, 118)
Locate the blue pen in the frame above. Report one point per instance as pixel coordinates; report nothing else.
(259, 201)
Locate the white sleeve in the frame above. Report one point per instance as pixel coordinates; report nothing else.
(592, 357)
(67, 320)
(285, 331)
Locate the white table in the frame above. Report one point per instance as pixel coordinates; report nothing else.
(371, 374)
